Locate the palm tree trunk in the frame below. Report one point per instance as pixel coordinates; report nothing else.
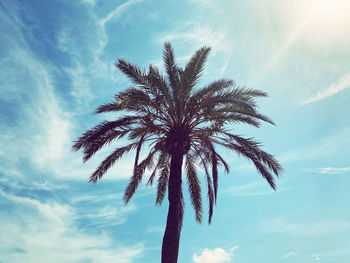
(170, 247)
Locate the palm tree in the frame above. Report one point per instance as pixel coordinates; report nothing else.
(178, 123)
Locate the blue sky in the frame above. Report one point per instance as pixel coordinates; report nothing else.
(56, 67)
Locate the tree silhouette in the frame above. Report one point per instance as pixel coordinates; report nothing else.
(181, 125)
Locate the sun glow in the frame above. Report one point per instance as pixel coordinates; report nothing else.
(326, 19)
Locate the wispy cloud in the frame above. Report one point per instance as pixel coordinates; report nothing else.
(97, 198)
(107, 215)
(42, 130)
(336, 87)
(329, 170)
(117, 12)
(332, 253)
(251, 189)
(214, 6)
(80, 83)
(155, 229)
(308, 229)
(281, 52)
(288, 255)
(324, 147)
(225, 64)
(216, 255)
(197, 35)
(45, 129)
(92, 2)
(114, 14)
(49, 231)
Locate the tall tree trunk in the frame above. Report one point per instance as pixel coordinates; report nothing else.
(170, 247)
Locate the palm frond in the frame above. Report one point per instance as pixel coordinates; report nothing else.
(251, 115)
(201, 97)
(96, 144)
(157, 81)
(163, 180)
(261, 155)
(161, 159)
(171, 67)
(102, 134)
(210, 193)
(253, 92)
(139, 100)
(194, 68)
(262, 169)
(224, 163)
(134, 73)
(215, 86)
(109, 107)
(138, 149)
(137, 175)
(214, 166)
(194, 187)
(139, 171)
(109, 161)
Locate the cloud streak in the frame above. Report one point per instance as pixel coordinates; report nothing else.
(330, 170)
(288, 255)
(325, 147)
(251, 189)
(117, 12)
(196, 34)
(336, 87)
(307, 229)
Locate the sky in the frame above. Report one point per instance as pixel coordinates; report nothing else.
(57, 66)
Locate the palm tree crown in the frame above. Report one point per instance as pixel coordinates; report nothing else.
(179, 121)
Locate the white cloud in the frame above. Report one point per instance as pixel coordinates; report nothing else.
(42, 129)
(117, 12)
(15, 179)
(308, 229)
(80, 83)
(92, 2)
(332, 253)
(155, 229)
(97, 198)
(324, 147)
(114, 14)
(197, 35)
(213, 6)
(201, 1)
(48, 233)
(330, 170)
(336, 87)
(287, 255)
(43, 133)
(50, 125)
(251, 189)
(225, 64)
(107, 215)
(216, 255)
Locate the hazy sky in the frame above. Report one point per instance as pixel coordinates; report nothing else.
(56, 67)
